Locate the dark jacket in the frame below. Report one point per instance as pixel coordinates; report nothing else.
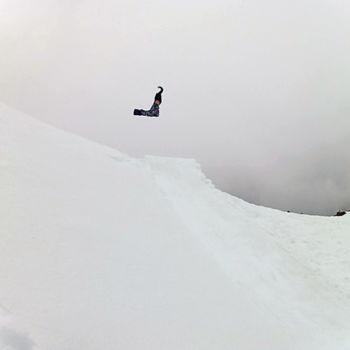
(158, 96)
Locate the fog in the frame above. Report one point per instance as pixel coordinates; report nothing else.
(256, 91)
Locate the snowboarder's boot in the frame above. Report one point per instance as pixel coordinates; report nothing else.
(137, 112)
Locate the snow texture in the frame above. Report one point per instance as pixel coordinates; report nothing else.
(102, 251)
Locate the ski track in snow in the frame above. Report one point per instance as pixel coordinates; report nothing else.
(100, 250)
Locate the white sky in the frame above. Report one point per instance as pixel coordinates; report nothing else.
(257, 91)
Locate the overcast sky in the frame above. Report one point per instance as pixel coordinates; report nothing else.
(256, 91)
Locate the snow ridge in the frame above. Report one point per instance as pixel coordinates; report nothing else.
(239, 234)
(123, 253)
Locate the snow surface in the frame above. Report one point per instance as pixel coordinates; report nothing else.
(102, 251)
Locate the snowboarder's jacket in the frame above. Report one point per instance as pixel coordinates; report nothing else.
(158, 96)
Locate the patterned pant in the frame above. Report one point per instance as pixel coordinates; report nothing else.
(153, 112)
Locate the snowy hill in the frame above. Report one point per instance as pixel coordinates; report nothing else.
(102, 251)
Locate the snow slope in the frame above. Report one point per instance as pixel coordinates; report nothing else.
(102, 251)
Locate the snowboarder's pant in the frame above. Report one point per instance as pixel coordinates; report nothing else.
(153, 112)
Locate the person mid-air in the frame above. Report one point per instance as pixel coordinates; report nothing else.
(154, 110)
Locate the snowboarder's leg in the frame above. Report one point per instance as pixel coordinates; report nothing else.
(153, 112)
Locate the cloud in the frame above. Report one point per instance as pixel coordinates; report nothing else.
(10, 338)
(13, 340)
(316, 181)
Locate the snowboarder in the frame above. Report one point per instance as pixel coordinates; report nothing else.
(154, 110)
